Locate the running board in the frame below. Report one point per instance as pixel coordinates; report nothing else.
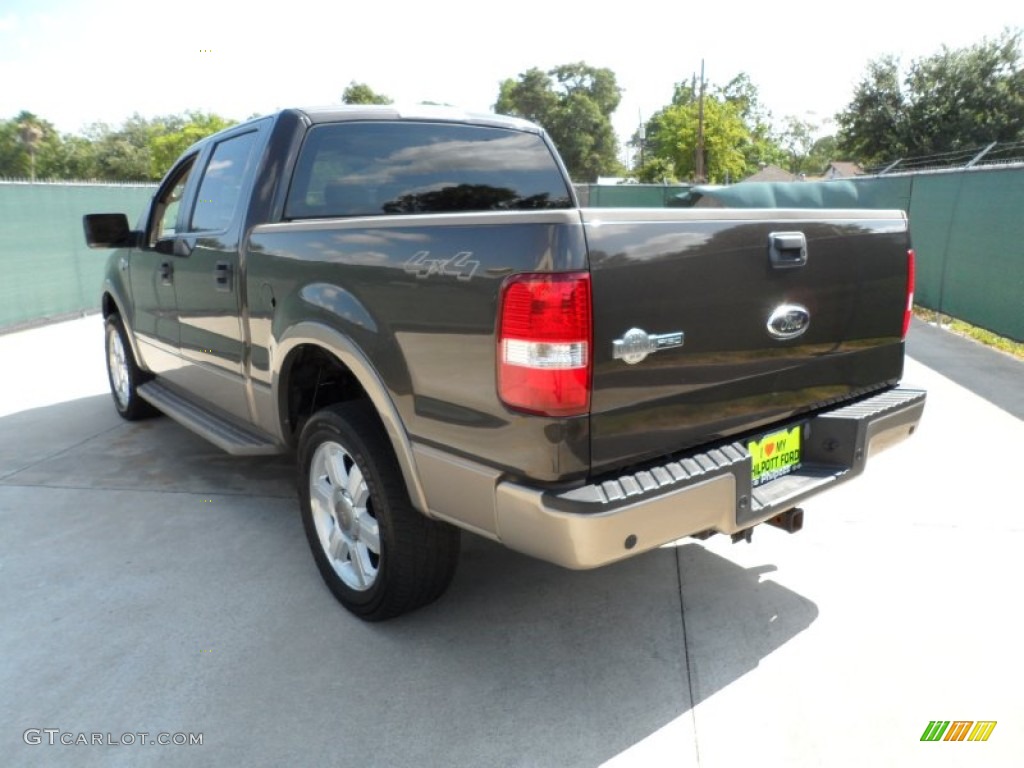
(225, 434)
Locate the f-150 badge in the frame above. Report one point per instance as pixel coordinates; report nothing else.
(637, 344)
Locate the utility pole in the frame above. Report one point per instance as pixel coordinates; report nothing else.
(699, 159)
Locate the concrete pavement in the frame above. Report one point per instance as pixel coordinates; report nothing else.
(987, 372)
(150, 583)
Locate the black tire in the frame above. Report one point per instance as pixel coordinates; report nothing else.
(123, 374)
(365, 507)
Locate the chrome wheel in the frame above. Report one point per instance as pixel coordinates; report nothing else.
(376, 552)
(120, 377)
(343, 516)
(124, 374)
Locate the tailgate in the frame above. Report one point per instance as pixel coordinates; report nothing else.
(732, 334)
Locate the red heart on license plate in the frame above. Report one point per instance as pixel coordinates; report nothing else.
(769, 449)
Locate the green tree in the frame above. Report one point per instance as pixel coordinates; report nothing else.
(361, 93)
(737, 134)
(823, 151)
(966, 97)
(25, 141)
(532, 96)
(68, 157)
(140, 149)
(31, 132)
(166, 145)
(10, 149)
(725, 137)
(56, 156)
(656, 170)
(872, 128)
(124, 153)
(762, 147)
(796, 140)
(574, 104)
(13, 156)
(955, 99)
(802, 150)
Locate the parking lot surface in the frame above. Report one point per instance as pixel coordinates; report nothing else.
(151, 584)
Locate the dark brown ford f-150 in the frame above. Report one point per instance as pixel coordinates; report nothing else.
(414, 303)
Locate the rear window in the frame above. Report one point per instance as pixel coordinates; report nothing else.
(380, 168)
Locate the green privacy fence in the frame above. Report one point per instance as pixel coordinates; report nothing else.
(630, 195)
(968, 231)
(45, 269)
(967, 227)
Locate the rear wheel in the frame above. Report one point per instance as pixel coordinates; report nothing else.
(378, 555)
(124, 374)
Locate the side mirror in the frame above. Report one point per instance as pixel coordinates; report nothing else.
(108, 230)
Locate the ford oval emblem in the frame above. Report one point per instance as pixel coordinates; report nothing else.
(788, 321)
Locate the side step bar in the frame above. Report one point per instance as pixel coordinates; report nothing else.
(226, 435)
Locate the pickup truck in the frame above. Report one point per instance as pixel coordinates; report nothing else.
(414, 305)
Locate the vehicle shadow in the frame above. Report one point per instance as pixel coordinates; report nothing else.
(178, 593)
(587, 664)
(85, 444)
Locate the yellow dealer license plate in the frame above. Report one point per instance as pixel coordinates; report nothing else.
(775, 454)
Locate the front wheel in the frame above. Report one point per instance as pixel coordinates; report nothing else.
(378, 555)
(124, 374)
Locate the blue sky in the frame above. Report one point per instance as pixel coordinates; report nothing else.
(75, 62)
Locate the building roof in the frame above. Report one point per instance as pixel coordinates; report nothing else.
(843, 169)
(772, 173)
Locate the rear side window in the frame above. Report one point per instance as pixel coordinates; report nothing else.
(398, 167)
(222, 184)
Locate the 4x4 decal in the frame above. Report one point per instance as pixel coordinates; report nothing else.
(461, 265)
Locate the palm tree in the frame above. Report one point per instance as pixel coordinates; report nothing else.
(31, 133)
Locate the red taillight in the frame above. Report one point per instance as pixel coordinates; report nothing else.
(544, 340)
(909, 311)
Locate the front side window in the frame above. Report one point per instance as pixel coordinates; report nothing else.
(401, 167)
(221, 185)
(165, 212)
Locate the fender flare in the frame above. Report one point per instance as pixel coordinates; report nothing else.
(349, 355)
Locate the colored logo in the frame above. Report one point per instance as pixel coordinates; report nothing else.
(958, 730)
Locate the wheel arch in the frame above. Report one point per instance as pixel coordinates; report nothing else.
(113, 304)
(296, 342)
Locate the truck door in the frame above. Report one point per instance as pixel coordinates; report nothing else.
(208, 284)
(152, 274)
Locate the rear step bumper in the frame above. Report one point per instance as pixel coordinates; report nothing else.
(700, 492)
